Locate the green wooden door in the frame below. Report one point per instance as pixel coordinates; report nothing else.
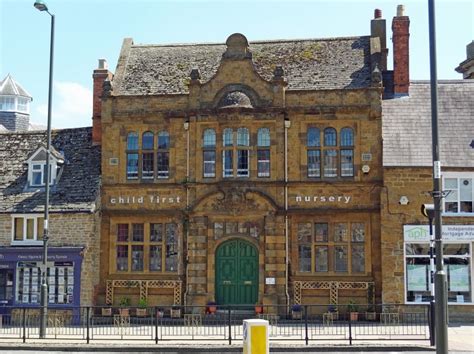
(236, 273)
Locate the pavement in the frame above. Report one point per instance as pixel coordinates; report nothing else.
(460, 340)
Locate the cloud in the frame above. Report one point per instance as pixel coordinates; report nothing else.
(72, 106)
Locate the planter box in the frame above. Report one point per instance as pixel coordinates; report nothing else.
(297, 315)
(371, 316)
(175, 313)
(106, 311)
(354, 316)
(124, 312)
(141, 312)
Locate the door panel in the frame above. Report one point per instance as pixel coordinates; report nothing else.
(236, 273)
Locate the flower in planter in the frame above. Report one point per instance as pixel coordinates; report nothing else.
(211, 307)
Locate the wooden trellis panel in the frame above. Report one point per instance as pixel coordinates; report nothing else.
(144, 285)
(332, 286)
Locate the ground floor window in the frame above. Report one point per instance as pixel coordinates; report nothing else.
(146, 247)
(332, 248)
(418, 270)
(60, 282)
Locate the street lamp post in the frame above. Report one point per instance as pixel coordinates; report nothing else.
(440, 274)
(41, 6)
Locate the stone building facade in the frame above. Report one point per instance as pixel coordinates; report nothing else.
(244, 173)
(73, 246)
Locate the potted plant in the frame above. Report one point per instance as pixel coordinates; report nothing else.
(296, 312)
(211, 307)
(370, 314)
(258, 309)
(353, 310)
(124, 304)
(142, 307)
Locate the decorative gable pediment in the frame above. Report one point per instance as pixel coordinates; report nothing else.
(236, 84)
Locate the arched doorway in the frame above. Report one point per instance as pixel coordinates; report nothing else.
(236, 273)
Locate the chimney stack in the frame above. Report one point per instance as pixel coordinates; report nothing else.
(466, 68)
(378, 29)
(99, 76)
(401, 53)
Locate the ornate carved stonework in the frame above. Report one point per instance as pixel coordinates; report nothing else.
(234, 201)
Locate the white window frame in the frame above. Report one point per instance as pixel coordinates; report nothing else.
(53, 163)
(459, 176)
(25, 241)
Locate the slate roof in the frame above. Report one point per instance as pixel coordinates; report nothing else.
(406, 125)
(334, 63)
(78, 185)
(8, 86)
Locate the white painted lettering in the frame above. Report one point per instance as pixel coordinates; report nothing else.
(347, 199)
(298, 198)
(112, 200)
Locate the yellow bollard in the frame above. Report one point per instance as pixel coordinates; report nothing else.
(255, 333)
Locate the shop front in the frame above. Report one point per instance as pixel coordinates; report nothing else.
(419, 265)
(20, 276)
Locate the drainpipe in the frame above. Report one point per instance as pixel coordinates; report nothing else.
(287, 126)
(186, 128)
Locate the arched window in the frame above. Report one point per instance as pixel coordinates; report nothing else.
(330, 136)
(263, 152)
(347, 152)
(163, 155)
(148, 155)
(313, 152)
(163, 140)
(313, 137)
(209, 138)
(132, 155)
(242, 137)
(209, 153)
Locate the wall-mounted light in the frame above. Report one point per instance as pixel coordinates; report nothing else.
(186, 125)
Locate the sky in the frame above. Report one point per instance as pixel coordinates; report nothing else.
(87, 30)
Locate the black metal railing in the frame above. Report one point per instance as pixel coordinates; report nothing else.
(308, 323)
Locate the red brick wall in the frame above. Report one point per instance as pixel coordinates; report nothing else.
(401, 67)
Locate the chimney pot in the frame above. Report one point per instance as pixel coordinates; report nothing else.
(377, 13)
(400, 10)
(103, 64)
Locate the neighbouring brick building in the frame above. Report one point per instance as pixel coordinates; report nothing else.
(73, 252)
(246, 172)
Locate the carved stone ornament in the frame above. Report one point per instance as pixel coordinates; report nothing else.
(106, 88)
(237, 47)
(234, 201)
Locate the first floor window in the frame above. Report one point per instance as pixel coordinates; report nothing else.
(228, 169)
(147, 165)
(137, 258)
(347, 163)
(242, 163)
(460, 195)
(209, 161)
(122, 258)
(314, 163)
(263, 163)
(330, 163)
(163, 164)
(28, 228)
